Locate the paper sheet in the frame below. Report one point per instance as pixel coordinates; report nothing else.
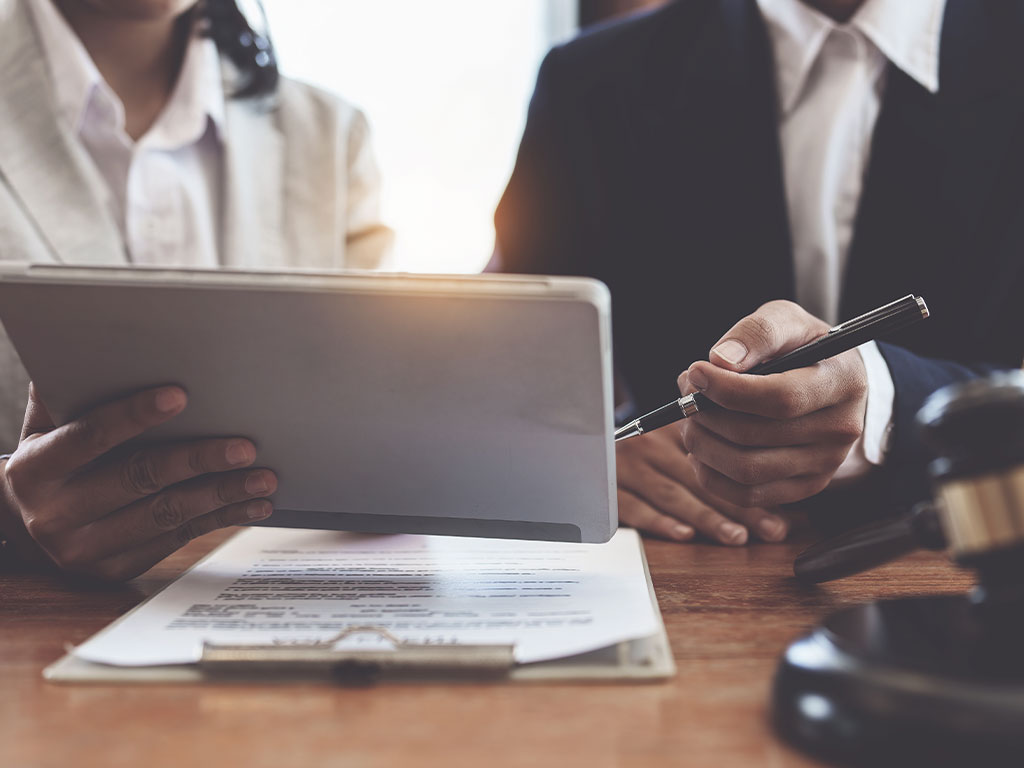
(269, 585)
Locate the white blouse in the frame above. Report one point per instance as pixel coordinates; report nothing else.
(165, 188)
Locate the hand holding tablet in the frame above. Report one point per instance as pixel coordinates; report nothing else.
(97, 508)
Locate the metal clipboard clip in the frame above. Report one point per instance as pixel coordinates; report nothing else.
(357, 666)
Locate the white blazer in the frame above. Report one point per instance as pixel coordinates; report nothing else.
(300, 186)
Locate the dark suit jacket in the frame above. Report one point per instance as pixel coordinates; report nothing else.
(650, 161)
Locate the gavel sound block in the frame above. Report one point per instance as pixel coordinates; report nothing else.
(927, 680)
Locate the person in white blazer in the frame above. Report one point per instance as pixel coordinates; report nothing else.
(155, 132)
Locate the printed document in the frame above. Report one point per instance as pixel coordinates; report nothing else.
(269, 585)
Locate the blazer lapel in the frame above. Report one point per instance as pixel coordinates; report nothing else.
(253, 171)
(48, 171)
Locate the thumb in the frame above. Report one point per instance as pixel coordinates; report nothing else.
(774, 329)
(37, 418)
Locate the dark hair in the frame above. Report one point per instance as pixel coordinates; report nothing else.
(250, 51)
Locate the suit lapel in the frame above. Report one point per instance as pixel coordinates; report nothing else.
(757, 169)
(686, 149)
(930, 192)
(981, 102)
(48, 172)
(724, 128)
(696, 121)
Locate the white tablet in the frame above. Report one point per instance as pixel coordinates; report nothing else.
(476, 406)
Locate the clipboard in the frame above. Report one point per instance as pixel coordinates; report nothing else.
(646, 659)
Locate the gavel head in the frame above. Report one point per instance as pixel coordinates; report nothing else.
(976, 432)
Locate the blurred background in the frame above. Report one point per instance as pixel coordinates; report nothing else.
(445, 85)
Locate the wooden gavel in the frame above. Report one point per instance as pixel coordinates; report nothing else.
(976, 432)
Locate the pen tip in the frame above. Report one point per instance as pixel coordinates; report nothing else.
(627, 430)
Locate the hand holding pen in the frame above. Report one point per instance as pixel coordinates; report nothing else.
(775, 439)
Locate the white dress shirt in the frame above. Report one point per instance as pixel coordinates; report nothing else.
(830, 79)
(164, 189)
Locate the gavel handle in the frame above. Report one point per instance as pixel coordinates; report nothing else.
(870, 546)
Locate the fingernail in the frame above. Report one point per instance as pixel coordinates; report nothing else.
(258, 510)
(682, 532)
(698, 378)
(771, 529)
(731, 351)
(731, 533)
(256, 483)
(170, 399)
(239, 452)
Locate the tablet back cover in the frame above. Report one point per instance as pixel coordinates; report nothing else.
(419, 405)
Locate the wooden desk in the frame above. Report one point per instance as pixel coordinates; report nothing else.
(729, 613)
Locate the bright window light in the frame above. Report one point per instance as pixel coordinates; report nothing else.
(445, 85)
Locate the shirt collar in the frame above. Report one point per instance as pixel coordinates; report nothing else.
(196, 101)
(198, 94)
(907, 32)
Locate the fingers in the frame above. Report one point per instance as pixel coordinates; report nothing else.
(128, 565)
(778, 438)
(172, 509)
(668, 496)
(148, 470)
(766, 495)
(70, 447)
(659, 481)
(755, 466)
(766, 525)
(658, 488)
(833, 424)
(637, 513)
(37, 418)
(98, 509)
(774, 329)
(781, 395)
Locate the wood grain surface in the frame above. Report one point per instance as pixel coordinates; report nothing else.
(729, 614)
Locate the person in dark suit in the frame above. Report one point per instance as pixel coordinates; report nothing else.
(787, 164)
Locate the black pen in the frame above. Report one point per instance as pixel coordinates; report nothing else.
(843, 337)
